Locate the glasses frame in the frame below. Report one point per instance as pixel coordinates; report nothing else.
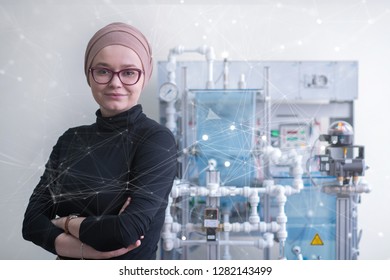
(92, 69)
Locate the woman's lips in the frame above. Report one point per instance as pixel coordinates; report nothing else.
(115, 95)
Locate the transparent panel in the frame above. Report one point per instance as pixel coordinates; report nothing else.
(311, 222)
(225, 134)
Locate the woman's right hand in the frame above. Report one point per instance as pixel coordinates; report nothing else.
(69, 246)
(118, 252)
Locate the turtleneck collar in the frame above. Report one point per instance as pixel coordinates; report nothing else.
(121, 121)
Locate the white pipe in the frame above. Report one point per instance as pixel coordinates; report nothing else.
(167, 234)
(241, 82)
(254, 200)
(297, 251)
(248, 227)
(291, 158)
(170, 113)
(281, 219)
(225, 74)
(254, 224)
(214, 190)
(265, 242)
(226, 235)
(209, 54)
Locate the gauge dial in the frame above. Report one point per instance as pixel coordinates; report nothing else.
(168, 92)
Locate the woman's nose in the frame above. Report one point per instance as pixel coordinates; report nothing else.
(116, 81)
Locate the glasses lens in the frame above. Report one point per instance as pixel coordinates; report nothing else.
(102, 75)
(129, 76)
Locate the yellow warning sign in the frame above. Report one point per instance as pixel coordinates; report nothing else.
(317, 241)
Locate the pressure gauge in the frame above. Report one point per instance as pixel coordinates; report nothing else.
(168, 92)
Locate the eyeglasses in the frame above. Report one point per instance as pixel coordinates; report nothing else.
(129, 76)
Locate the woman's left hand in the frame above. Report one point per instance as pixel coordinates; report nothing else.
(127, 203)
(59, 222)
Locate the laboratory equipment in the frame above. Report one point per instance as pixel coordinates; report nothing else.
(255, 180)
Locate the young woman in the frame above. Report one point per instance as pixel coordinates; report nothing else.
(105, 187)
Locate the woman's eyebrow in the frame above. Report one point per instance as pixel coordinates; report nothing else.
(103, 64)
(129, 65)
(122, 66)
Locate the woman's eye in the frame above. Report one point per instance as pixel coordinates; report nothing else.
(103, 72)
(129, 73)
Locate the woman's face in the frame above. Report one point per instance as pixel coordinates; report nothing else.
(116, 97)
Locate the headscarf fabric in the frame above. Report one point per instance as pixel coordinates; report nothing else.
(123, 34)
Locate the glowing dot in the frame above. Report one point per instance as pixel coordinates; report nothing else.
(234, 21)
(319, 21)
(204, 37)
(279, 5)
(181, 1)
(210, 20)
(282, 47)
(205, 137)
(264, 138)
(183, 238)
(380, 234)
(196, 24)
(232, 127)
(299, 42)
(225, 54)
(322, 148)
(310, 213)
(227, 163)
(321, 204)
(336, 49)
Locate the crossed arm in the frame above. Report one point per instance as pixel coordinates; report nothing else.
(69, 245)
(107, 236)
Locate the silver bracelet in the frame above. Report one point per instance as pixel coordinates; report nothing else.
(82, 250)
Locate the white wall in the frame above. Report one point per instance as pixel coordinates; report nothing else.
(43, 89)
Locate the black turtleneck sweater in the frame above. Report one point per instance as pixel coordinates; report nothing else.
(92, 170)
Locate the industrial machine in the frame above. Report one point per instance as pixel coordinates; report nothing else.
(267, 164)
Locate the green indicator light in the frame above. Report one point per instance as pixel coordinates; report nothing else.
(275, 133)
